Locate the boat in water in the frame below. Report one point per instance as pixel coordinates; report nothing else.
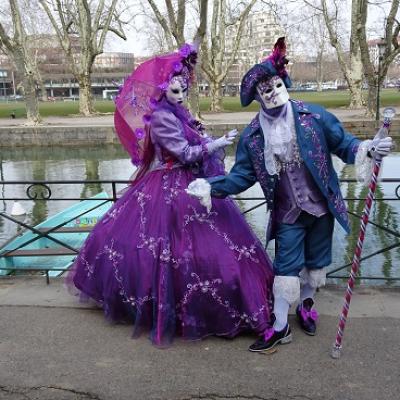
(51, 246)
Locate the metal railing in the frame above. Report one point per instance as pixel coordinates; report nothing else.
(41, 191)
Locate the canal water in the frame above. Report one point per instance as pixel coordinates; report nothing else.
(109, 162)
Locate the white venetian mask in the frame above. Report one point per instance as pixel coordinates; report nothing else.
(273, 92)
(177, 90)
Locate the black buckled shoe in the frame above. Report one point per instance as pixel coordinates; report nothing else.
(307, 317)
(271, 338)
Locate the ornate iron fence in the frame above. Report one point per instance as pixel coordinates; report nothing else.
(41, 191)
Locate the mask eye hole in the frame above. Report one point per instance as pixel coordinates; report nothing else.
(175, 91)
(268, 90)
(279, 85)
(184, 90)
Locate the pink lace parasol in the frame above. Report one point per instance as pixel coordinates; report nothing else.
(140, 94)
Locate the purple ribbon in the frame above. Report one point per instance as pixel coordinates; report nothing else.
(313, 314)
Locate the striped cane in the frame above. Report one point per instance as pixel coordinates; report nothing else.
(388, 114)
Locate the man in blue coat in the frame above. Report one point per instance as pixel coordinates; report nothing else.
(287, 149)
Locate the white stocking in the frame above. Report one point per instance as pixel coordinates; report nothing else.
(307, 292)
(286, 291)
(281, 310)
(310, 280)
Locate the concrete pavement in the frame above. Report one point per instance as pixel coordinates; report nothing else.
(53, 348)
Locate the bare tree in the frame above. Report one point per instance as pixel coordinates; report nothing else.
(173, 24)
(351, 66)
(319, 40)
(81, 28)
(215, 61)
(392, 50)
(156, 37)
(17, 48)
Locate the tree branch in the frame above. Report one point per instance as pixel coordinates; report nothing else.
(106, 28)
(163, 22)
(5, 39)
(242, 18)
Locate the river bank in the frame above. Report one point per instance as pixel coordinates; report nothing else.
(84, 131)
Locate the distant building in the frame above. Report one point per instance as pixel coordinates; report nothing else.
(6, 83)
(373, 46)
(114, 61)
(109, 69)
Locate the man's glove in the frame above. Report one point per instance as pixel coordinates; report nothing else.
(380, 147)
(221, 142)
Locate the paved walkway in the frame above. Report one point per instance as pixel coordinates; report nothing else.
(52, 348)
(210, 118)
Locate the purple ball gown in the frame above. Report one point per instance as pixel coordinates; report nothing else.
(158, 260)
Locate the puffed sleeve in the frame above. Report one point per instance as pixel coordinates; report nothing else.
(167, 131)
(241, 177)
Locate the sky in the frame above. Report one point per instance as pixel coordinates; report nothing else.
(137, 41)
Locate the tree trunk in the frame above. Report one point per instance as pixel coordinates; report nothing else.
(356, 97)
(355, 74)
(319, 74)
(43, 91)
(29, 86)
(85, 95)
(31, 101)
(216, 97)
(371, 102)
(194, 105)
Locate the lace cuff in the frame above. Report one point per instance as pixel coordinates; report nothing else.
(287, 287)
(314, 277)
(363, 163)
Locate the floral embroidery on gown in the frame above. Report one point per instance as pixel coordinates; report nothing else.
(160, 261)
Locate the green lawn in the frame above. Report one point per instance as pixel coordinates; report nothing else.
(331, 99)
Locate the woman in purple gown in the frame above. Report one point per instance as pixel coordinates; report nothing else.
(159, 259)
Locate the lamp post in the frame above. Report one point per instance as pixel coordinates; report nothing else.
(381, 52)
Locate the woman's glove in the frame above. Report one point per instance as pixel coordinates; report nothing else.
(201, 189)
(222, 142)
(380, 147)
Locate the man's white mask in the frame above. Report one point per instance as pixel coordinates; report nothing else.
(177, 90)
(273, 92)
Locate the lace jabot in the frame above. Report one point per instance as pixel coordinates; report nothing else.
(280, 142)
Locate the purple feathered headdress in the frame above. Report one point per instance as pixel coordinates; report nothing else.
(278, 57)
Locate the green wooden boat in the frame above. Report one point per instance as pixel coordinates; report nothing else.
(53, 244)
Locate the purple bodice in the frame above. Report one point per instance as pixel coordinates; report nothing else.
(179, 142)
(171, 146)
(296, 192)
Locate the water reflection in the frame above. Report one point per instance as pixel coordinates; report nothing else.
(39, 209)
(92, 174)
(108, 162)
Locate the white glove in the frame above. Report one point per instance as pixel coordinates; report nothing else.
(223, 141)
(232, 134)
(380, 147)
(201, 189)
